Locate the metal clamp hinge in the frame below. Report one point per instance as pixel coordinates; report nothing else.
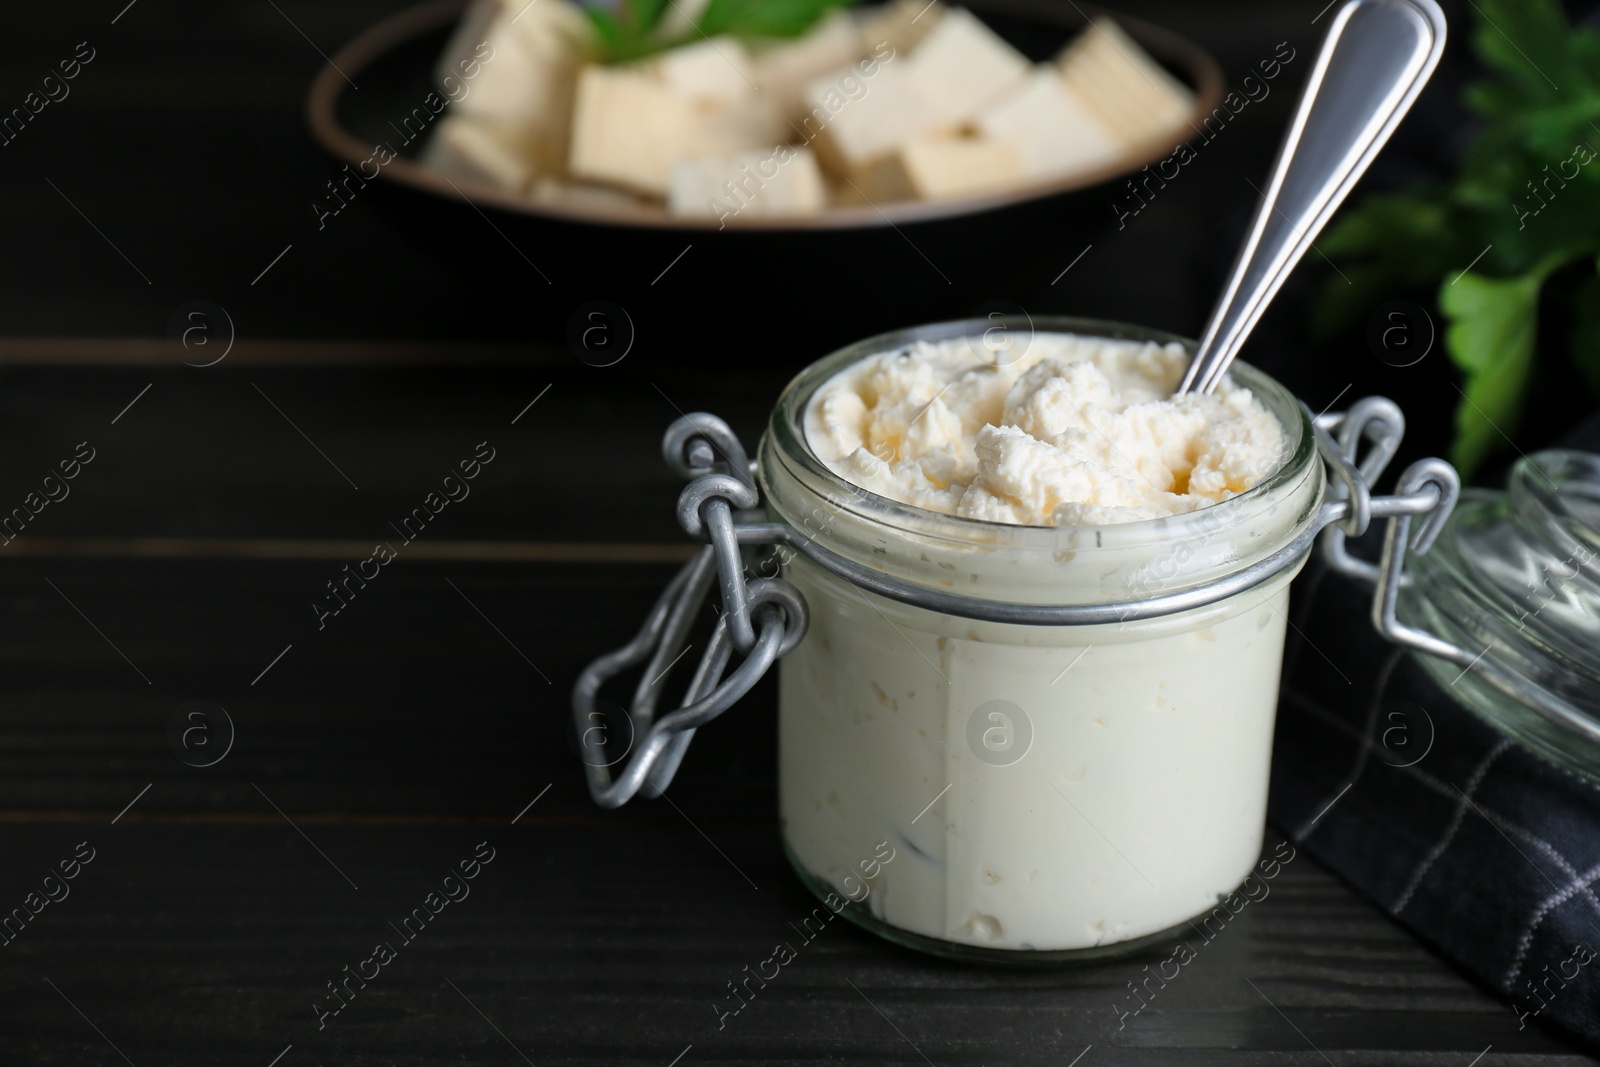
(760, 619)
(1428, 490)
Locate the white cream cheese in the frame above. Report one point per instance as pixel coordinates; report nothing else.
(1137, 803)
(1053, 788)
(1055, 429)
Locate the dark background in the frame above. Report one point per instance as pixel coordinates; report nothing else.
(432, 710)
(184, 142)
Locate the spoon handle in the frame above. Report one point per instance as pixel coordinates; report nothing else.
(1376, 59)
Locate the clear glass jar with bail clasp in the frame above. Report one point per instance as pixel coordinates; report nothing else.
(1003, 742)
(1050, 789)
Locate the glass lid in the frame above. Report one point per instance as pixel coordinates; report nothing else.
(1517, 576)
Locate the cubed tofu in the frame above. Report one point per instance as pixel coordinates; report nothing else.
(1053, 130)
(751, 123)
(963, 66)
(584, 197)
(466, 146)
(679, 19)
(1132, 94)
(900, 24)
(933, 167)
(777, 181)
(882, 181)
(783, 69)
(855, 121)
(715, 70)
(843, 193)
(548, 25)
(519, 68)
(628, 129)
(472, 29)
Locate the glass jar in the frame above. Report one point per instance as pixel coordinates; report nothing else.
(1001, 742)
(1514, 583)
(1051, 791)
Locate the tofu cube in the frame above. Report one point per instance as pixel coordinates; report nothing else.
(1132, 94)
(963, 66)
(751, 123)
(517, 67)
(845, 194)
(1053, 131)
(466, 146)
(679, 18)
(882, 181)
(587, 198)
(855, 121)
(782, 180)
(900, 24)
(628, 129)
(547, 26)
(933, 167)
(471, 31)
(715, 70)
(783, 69)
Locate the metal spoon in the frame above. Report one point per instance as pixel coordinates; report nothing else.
(1376, 59)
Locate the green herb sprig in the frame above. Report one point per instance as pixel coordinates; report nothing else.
(1524, 204)
(636, 30)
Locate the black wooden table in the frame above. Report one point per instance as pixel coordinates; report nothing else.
(425, 724)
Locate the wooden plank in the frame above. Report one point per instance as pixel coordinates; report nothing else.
(587, 945)
(262, 548)
(341, 453)
(259, 352)
(408, 730)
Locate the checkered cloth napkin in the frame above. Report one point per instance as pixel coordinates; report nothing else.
(1483, 849)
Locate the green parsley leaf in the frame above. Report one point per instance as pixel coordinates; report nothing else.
(1491, 336)
(645, 14)
(764, 18)
(1526, 42)
(638, 33)
(1524, 201)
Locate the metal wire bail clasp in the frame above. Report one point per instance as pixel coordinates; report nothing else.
(1378, 422)
(1428, 489)
(760, 618)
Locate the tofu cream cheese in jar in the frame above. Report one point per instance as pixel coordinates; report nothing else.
(1053, 790)
(1028, 612)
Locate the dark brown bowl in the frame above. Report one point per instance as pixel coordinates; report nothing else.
(817, 280)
